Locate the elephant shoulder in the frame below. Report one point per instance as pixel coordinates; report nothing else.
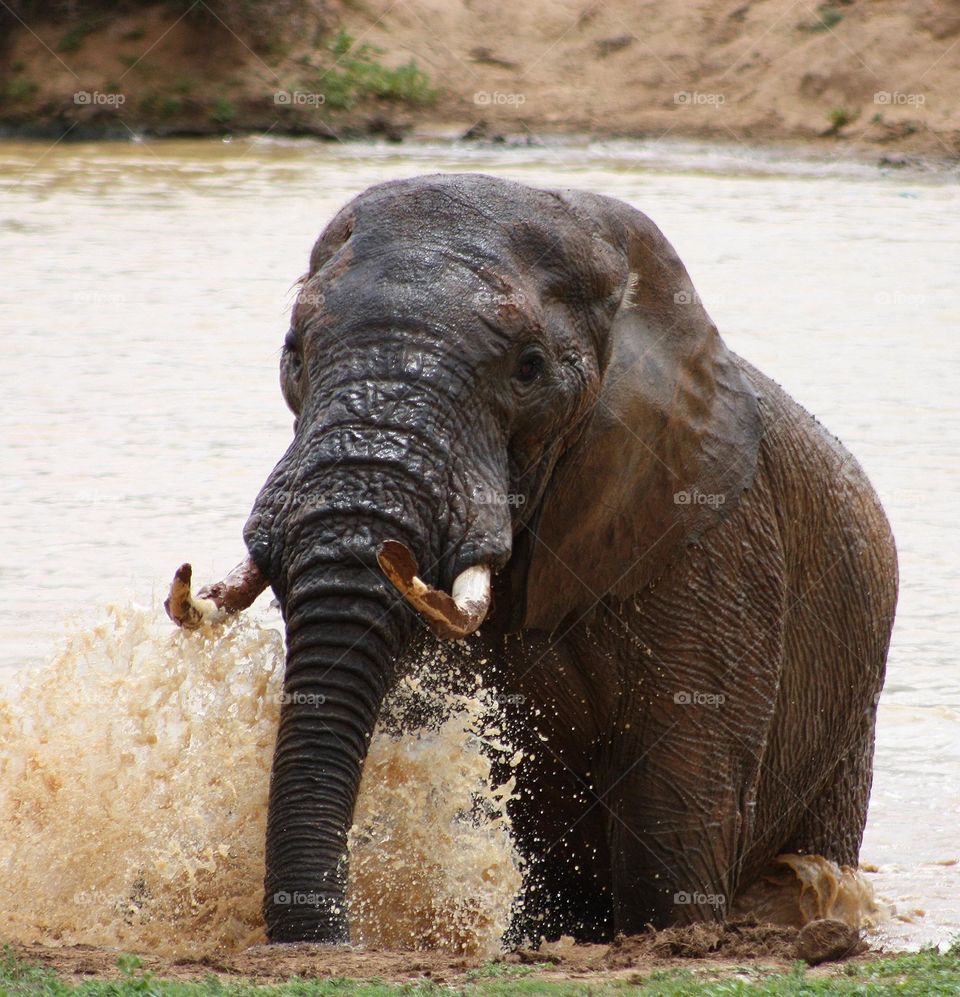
(796, 446)
(823, 499)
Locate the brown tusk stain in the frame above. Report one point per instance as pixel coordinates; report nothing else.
(439, 610)
(235, 592)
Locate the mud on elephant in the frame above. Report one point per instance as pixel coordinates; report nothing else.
(693, 583)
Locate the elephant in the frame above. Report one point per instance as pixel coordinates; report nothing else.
(516, 427)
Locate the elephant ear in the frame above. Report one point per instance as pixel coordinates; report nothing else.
(669, 446)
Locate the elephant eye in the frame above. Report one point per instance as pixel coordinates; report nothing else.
(291, 372)
(530, 366)
(291, 350)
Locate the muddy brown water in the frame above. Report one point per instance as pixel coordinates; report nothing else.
(145, 298)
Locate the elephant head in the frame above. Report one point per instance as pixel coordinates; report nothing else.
(485, 378)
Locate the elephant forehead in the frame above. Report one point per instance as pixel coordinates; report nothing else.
(480, 219)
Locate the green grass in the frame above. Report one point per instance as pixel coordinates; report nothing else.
(922, 973)
(73, 39)
(357, 72)
(170, 105)
(21, 89)
(827, 17)
(840, 117)
(223, 111)
(504, 970)
(164, 104)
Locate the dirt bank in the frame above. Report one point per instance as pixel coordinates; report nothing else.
(851, 75)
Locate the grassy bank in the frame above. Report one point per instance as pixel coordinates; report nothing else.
(926, 972)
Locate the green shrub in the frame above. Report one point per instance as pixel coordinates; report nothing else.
(73, 39)
(840, 117)
(223, 111)
(357, 73)
(827, 17)
(21, 89)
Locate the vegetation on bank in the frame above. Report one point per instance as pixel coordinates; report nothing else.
(357, 73)
(119, 67)
(925, 972)
(262, 11)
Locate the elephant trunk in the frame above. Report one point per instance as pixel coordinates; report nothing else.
(343, 636)
(355, 486)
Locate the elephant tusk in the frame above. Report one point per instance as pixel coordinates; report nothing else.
(213, 603)
(449, 616)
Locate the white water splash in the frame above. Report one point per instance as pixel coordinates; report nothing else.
(133, 791)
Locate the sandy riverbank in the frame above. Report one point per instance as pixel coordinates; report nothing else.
(850, 77)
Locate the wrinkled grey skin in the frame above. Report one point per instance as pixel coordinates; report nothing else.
(695, 583)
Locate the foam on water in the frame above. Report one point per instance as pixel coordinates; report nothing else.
(133, 793)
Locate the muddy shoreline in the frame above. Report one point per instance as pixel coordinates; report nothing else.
(698, 948)
(675, 153)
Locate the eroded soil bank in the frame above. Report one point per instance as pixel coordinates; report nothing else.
(840, 77)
